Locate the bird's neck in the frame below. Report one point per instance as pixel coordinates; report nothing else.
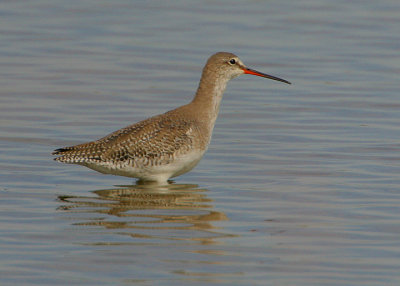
(209, 95)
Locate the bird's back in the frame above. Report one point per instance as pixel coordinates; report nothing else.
(142, 148)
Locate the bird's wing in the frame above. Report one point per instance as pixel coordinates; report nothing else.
(153, 138)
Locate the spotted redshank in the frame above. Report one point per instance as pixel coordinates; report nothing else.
(166, 145)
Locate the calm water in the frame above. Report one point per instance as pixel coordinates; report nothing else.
(300, 185)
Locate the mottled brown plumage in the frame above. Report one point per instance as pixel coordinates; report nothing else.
(166, 145)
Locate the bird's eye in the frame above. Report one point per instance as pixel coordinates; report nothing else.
(232, 61)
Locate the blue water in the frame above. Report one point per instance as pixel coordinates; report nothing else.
(300, 184)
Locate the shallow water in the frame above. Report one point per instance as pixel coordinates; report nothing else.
(300, 185)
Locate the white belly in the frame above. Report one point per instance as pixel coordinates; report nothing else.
(158, 173)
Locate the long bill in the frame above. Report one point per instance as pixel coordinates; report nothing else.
(257, 73)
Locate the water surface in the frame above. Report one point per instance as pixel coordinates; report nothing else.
(300, 185)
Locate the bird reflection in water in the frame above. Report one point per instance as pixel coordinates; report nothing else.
(178, 212)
